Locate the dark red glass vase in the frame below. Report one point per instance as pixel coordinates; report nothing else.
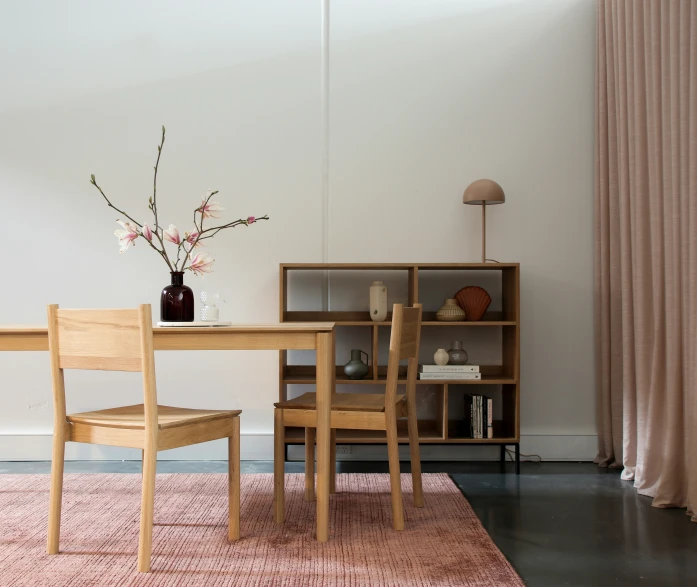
(177, 300)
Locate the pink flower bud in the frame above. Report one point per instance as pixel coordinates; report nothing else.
(172, 235)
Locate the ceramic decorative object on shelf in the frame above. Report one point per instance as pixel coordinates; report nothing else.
(450, 312)
(456, 354)
(209, 307)
(356, 368)
(441, 357)
(474, 300)
(378, 301)
(177, 300)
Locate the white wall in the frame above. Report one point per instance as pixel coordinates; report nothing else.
(425, 96)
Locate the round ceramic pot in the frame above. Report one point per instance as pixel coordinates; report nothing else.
(356, 368)
(441, 357)
(456, 354)
(450, 312)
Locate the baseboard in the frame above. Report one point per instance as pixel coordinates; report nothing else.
(259, 447)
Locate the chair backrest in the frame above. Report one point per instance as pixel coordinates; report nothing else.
(105, 340)
(404, 344)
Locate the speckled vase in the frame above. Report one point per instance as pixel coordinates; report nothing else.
(378, 301)
(450, 312)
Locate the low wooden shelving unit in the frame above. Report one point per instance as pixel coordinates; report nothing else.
(501, 380)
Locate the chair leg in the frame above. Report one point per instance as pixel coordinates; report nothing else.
(56, 495)
(233, 456)
(415, 456)
(310, 464)
(395, 484)
(147, 506)
(279, 458)
(332, 464)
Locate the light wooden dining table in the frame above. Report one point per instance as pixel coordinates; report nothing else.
(317, 336)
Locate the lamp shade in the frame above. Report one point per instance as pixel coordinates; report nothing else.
(483, 191)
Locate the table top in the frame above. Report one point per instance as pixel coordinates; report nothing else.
(260, 327)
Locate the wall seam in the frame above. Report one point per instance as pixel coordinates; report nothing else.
(324, 85)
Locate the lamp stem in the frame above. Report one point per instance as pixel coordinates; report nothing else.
(483, 233)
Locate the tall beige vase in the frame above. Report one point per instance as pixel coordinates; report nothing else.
(378, 301)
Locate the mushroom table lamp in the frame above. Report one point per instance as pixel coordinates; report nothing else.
(483, 192)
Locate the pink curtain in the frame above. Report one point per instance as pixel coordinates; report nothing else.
(646, 245)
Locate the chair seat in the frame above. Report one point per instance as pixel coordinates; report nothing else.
(133, 417)
(344, 402)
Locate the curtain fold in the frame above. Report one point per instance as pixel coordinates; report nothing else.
(646, 245)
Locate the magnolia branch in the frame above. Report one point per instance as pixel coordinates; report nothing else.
(162, 252)
(93, 181)
(198, 264)
(153, 202)
(217, 229)
(154, 181)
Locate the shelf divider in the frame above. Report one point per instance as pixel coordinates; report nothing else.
(374, 353)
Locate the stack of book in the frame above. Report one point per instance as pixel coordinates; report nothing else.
(479, 414)
(452, 372)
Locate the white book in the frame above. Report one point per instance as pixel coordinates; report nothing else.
(451, 376)
(490, 418)
(449, 368)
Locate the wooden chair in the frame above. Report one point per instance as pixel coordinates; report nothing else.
(358, 411)
(122, 340)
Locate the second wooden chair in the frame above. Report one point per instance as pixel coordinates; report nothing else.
(358, 411)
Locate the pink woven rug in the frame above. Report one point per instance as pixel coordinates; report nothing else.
(443, 544)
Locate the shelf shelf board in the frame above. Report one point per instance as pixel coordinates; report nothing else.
(429, 323)
(485, 380)
(466, 323)
(428, 433)
(360, 318)
(397, 266)
(482, 440)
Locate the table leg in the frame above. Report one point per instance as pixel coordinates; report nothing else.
(325, 387)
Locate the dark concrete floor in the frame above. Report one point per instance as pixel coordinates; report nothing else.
(558, 523)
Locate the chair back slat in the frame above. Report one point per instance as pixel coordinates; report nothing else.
(411, 325)
(404, 344)
(107, 340)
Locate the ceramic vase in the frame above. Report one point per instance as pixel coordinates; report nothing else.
(450, 312)
(456, 354)
(378, 301)
(441, 357)
(177, 300)
(356, 368)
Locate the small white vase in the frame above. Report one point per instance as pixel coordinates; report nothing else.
(378, 301)
(441, 357)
